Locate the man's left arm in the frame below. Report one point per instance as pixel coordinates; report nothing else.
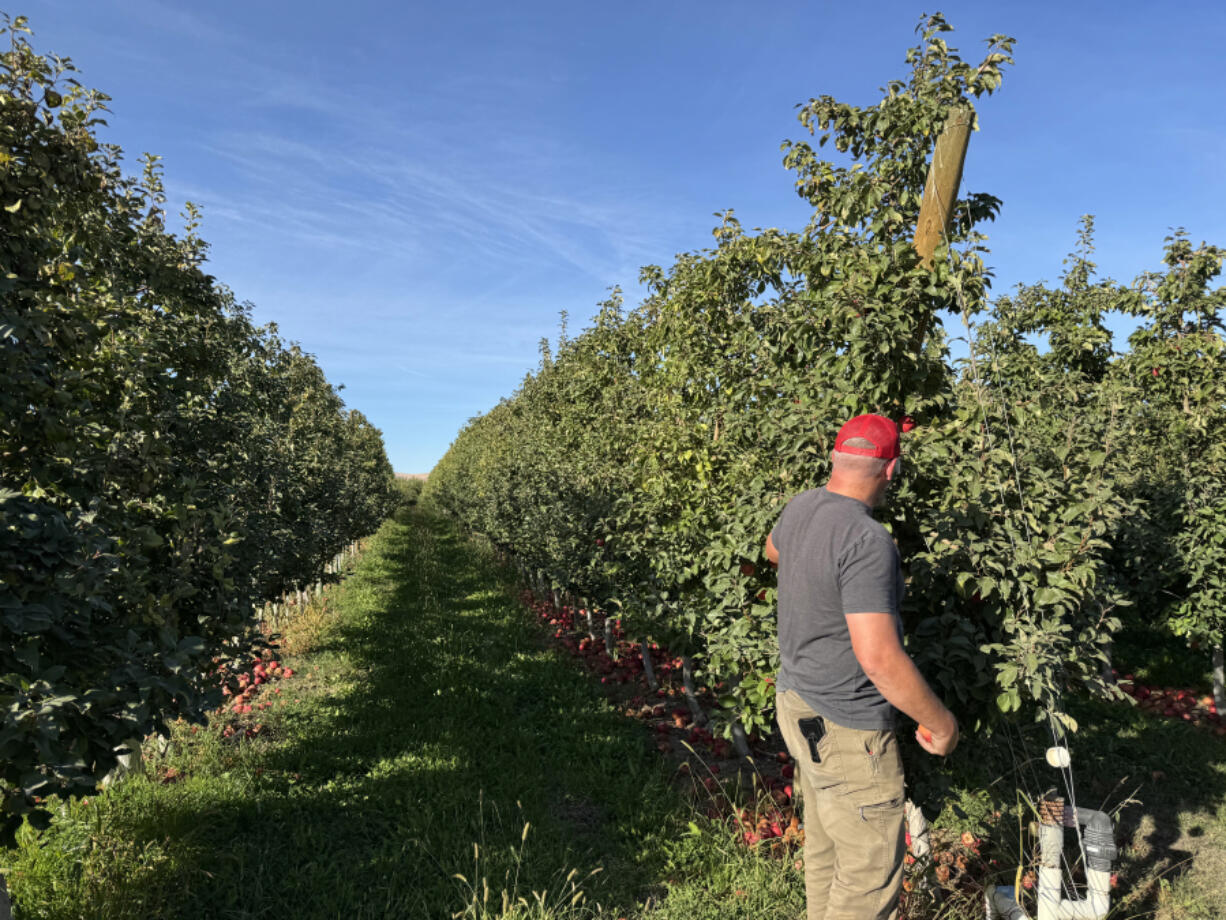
(772, 554)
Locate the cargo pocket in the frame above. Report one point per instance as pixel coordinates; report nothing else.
(881, 811)
(884, 823)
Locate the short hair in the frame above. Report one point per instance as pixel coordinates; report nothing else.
(857, 464)
(860, 442)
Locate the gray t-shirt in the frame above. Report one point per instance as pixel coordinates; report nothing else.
(834, 560)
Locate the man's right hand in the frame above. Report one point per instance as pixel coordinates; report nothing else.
(940, 741)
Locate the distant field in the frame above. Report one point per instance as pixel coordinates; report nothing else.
(412, 475)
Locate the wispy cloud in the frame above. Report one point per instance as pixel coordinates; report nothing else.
(385, 200)
(384, 172)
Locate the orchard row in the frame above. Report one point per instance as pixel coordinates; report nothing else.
(167, 466)
(1050, 491)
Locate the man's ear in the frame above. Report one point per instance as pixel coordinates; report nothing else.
(891, 469)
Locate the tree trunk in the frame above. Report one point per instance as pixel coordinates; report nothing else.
(649, 669)
(740, 740)
(687, 679)
(1219, 678)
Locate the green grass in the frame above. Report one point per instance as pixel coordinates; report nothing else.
(432, 757)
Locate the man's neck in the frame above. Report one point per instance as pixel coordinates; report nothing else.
(867, 492)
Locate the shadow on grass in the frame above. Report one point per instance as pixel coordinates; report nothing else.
(436, 725)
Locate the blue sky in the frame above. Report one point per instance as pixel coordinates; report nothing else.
(415, 191)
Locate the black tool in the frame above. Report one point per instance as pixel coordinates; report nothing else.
(813, 729)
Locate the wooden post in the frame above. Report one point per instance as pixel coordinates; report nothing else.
(940, 193)
(944, 177)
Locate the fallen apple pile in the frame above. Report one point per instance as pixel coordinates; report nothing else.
(1183, 704)
(778, 830)
(956, 865)
(241, 683)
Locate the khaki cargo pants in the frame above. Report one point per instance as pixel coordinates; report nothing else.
(853, 816)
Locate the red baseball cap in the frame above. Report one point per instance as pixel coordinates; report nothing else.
(876, 429)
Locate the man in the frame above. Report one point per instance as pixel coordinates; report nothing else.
(844, 674)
